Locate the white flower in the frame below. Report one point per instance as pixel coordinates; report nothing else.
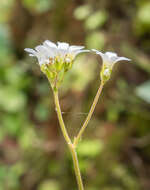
(49, 51)
(110, 58)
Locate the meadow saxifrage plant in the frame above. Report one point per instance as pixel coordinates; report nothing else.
(55, 61)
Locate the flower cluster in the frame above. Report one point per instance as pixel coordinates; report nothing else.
(56, 59)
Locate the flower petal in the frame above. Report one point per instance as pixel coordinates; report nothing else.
(72, 48)
(32, 55)
(49, 50)
(122, 59)
(103, 56)
(63, 45)
(110, 54)
(43, 51)
(31, 51)
(49, 44)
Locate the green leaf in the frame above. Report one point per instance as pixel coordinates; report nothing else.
(4, 43)
(27, 138)
(11, 124)
(142, 19)
(12, 100)
(42, 112)
(95, 40)
(89, 148)
(82, 12)
(143, 91)
(5, 10)
(49, 184)
(96, 20)
(144, 14)
(38, 5)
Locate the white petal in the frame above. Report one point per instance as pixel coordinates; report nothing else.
(110, 54)
(51, 51)
(122, 59)
(31, 51)
(112, 57)
(95, 50)
(42, 50)
(50, 44)
(98, 52)
(62, 52)
(39, 48)
(103, 56)
(63, 45)
(72, 48)
(32, 55)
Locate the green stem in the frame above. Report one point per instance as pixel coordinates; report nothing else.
(60, 118)
(76, 167)
(68, 141)
(76, 139)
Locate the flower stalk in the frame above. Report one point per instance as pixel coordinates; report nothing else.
(60, 118)
(78, 137)
(76, 166)
(68, 141)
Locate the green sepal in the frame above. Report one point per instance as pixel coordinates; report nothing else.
(58, 65)
(103, 76)
(68, 66)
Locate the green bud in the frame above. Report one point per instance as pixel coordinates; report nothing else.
(56, 70)
(105, 73)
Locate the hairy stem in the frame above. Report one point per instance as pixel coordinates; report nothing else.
(77, 138)
(68, 141)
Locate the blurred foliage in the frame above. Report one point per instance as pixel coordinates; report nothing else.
(96, 20)
(39, 6)
(143, 18)
(115, 151)
(143, 91)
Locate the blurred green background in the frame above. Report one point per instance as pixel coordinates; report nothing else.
(115, 151)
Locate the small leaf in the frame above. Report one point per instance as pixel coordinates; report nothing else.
(95, 40)
(42, 112)
(144, 14)
(143, 91)
(49, 184)
(12, 100)
(96, 20)
(82, 12)
(38, 5)
(89, 148)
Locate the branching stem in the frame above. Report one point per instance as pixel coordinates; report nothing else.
(68, 141)
(77, 138)
(72, 146)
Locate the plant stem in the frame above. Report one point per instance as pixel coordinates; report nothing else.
(69, 142)
(60, 118)
(76, 167)
(76, 139)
